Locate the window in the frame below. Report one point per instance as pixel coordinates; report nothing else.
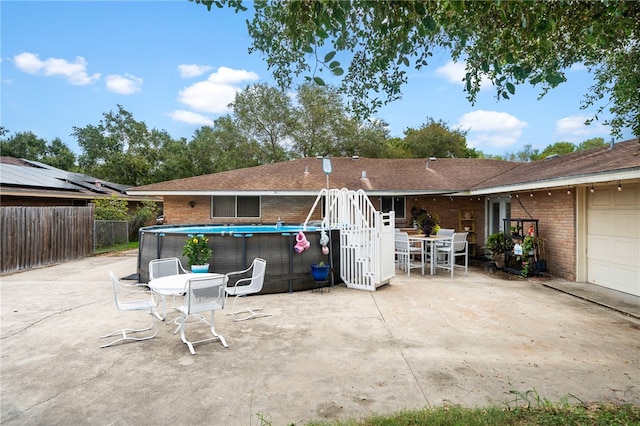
(393, 203)
(235, 206)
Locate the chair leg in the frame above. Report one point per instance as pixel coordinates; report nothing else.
(190, 344)
(125, 331)
(251, 312)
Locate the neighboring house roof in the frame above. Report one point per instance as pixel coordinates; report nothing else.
(381, 176)
(25, 178)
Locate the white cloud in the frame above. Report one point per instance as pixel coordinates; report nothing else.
(491, 128)
(454, 72)
(124, 85)
(214, 94)
(574, 129)
(191, 117)
(75, 72)
(192, 70)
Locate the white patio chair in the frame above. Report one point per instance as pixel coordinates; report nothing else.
(161, 268)
(142, 300)
(246, 286)
(164, 267)
(406, 253)
(457, 247)
(202, 295)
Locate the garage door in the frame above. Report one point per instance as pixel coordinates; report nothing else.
(613, 238)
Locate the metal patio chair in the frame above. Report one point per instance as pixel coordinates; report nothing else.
(141, 300)
(202, 294)
(245, 286)
(457, 247)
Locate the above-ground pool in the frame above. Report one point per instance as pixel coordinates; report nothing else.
(235, 246)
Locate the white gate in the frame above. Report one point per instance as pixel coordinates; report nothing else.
(366, 237)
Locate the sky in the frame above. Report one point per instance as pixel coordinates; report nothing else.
(176, 67)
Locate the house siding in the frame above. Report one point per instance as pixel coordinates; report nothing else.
(556, 214)
(289, 209)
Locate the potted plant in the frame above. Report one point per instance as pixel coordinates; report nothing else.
(424, 220)
(320, 271)
(198, 252)
(498, 244)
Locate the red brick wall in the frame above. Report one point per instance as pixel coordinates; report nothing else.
(289, 209)
(556, 214)
(449, 211)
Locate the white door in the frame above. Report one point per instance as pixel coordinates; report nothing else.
(613, 238)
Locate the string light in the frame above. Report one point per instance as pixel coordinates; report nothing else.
(619, 186)
(549, 193)
(568, 191)
(531, 195)
(592, 190)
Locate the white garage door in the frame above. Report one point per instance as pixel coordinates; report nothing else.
(613, 238)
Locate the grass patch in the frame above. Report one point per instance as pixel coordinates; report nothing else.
(118, 247)
(546, 414)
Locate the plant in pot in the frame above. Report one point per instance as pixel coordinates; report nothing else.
(427, 222)
(498, 244)
(197, 251)
(320, 271)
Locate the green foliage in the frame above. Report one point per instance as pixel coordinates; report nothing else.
(499, 243)
(558, 148)
(111, 208)
(435, 139)
(426, 221)
(528, 409)
(30, 147)
(508, 42)
(197, 250)
(591, 144)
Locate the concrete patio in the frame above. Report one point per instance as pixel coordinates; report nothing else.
(420, 341)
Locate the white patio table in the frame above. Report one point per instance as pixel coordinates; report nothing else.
(175, 285)
(431, 240)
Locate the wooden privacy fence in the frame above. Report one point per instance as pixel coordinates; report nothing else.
(37, 236)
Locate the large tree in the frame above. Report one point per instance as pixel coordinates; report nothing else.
(264, 114)
(120, 148)
(435, 139)
(509, 42)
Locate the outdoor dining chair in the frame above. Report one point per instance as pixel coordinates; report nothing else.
(164, 267)
(245, 286)
(202, 294)
(456, 247)
(406, 253)
(141, 300)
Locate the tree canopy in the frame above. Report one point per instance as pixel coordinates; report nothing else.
(509, 42)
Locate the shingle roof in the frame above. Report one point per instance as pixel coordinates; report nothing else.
(444, 175)
(623, 156)
(369, 174)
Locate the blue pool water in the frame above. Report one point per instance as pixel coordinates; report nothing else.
(232, 229)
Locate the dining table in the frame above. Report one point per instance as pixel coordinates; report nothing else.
(175, 285)
(431, 240)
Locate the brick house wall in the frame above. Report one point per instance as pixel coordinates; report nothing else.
(290, 209)
(557, 215)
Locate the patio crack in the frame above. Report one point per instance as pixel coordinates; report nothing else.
(395, 341)
(38, 321)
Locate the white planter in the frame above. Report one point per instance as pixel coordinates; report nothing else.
(200, 269)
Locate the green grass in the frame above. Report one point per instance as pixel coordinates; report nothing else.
(525, 409)
(118, 247)
(546, 414)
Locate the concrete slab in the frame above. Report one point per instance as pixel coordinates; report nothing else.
(420, 341)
